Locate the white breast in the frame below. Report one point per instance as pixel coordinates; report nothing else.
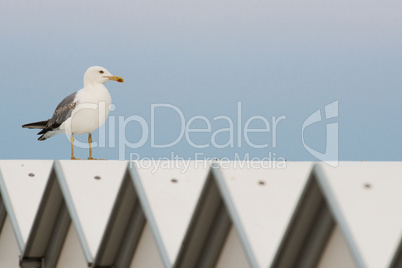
(91, 111)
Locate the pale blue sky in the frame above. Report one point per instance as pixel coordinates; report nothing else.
(278, 58)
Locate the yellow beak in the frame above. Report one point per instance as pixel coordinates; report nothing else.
(116, 78)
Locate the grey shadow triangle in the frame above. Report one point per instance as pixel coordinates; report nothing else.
(50, 227)
(317, 235)
(144, 244)
(213, 224)
(151, 251)
(131, 237)
(397, 260)
(3, 212)
(366, 201)
(124, 228)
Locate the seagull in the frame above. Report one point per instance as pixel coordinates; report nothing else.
(80, 112)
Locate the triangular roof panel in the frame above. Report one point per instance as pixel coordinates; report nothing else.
(90, 190)
(22, 183)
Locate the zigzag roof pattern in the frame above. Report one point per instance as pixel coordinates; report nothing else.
(209, 214)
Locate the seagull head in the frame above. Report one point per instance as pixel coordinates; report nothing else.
(99, 75)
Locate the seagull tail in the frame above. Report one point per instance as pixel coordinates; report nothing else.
(40, 125)
(36, 125)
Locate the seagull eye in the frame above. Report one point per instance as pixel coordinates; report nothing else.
(101, 72)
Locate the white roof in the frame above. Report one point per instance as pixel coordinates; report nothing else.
(128, 214)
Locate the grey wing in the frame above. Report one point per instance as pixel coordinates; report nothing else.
(62, 113)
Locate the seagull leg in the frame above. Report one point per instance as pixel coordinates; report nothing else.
(90, 146)
(72, 147)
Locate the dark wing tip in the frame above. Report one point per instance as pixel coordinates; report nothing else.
(36, 125)
(41, 138)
